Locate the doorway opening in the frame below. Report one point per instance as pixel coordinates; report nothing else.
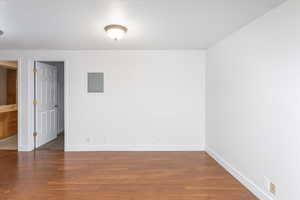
(49, 104)
(8, 105)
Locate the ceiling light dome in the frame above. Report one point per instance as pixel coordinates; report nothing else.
(115, 31)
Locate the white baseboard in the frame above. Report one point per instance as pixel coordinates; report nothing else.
(131, 148)
(249, 184)
(24, 148)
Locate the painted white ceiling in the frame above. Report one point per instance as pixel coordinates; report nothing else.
(152, 24)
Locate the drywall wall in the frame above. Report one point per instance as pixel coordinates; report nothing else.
(152, 100)
(3, 88)
(253, 95)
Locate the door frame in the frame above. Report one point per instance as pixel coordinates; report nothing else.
(31, 97)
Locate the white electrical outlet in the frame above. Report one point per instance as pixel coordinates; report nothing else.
(270, 186)
(273, 188)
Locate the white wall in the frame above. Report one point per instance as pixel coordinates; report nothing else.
(3, 87)
(153, 100)
(253, 101)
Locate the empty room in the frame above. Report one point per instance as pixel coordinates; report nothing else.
(149, 99)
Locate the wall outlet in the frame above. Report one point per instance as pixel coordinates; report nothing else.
(270, 186)
(273, 188)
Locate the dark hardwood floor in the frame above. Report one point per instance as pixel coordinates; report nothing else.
(55, 175)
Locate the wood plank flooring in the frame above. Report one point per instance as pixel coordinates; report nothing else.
(54, 175)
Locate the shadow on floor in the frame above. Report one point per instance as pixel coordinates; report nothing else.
(55, 145)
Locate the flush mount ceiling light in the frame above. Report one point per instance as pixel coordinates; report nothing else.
(115, 31)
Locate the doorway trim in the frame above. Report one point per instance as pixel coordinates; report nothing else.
(31, 97)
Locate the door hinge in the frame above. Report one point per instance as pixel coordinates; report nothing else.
(34, 134)
(34, 69)
(34, 102)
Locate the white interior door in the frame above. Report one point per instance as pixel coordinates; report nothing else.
(46, 107)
